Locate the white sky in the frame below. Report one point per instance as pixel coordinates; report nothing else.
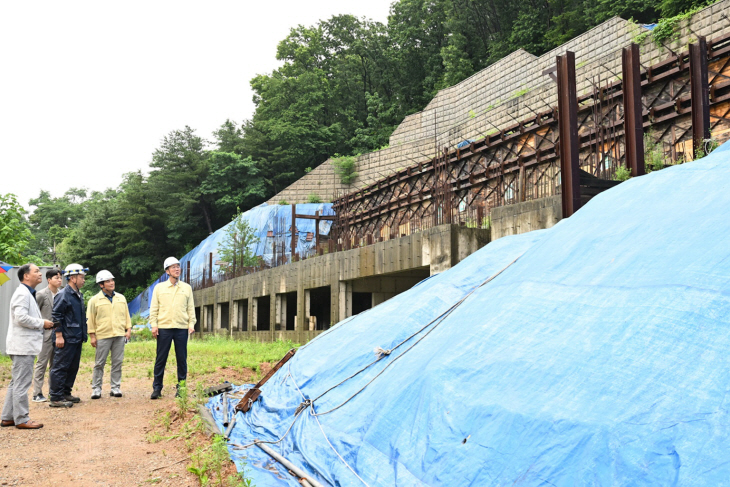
(89, 88)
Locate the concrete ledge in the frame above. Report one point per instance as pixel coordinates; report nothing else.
(525, 217)
(280, 303)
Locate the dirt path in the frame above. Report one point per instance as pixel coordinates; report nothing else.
(100, 442)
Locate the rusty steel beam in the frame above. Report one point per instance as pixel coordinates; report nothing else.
(293, 231)
(700, 89)
(633, 120)
(568, 133)
(316, 231)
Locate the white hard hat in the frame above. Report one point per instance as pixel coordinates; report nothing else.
(74, 270)
(171, 261)
(103, 276)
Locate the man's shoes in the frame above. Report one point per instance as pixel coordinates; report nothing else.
(39, 398)
(73, 399)
(29, 425)
(156, 395)
(115, 393)
(6, 423)
(61, 404)
(177, 393)
(96, 394)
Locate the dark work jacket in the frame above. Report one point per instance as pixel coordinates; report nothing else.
(69, 316)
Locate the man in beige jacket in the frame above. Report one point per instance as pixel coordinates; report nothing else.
(107, 317)
(172, 318)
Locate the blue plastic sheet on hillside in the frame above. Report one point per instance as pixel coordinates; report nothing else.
(263, 219)
(601, 356)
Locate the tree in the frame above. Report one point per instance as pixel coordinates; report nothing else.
(93, 240)
(232, 181)
(15, 235)
(236, 247)
(139, 230)
(53, 219)
(179, 167)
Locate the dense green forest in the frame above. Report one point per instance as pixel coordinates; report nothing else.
(344, 85)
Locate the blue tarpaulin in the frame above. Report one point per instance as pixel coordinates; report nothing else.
(593, 353)
(271, 224)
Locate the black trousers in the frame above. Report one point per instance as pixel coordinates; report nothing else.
(165, 338)
(65, 367)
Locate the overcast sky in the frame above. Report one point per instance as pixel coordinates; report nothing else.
(88, 89)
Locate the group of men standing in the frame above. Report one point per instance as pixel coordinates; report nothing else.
(53, 324)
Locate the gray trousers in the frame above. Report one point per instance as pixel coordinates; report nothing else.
(115, 345)
(16, 399)
(45, 361)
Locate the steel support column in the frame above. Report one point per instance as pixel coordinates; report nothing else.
(568, 133)
(293, 231)
(633, 120)
(700, 92)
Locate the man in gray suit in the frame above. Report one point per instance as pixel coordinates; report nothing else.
(24, 342)
(44, 298)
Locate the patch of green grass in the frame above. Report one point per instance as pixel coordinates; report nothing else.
(345, 167)
(207, 463)
(670, 29)
(519, 93)
(623, 173)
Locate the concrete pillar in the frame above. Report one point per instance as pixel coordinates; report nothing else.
(272, 315)
(254, 310)
(300, 323)
(250, 314)
(232, 315)
(307, 308)
(278, 305)
(218, 319)
(345, 301)
(202, 319)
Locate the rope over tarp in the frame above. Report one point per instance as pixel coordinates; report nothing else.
(600, 357)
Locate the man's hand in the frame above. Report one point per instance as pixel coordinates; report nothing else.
(92, 336)
(47, 324)
(191, 331)
(128, 335)
(59, 340)
(154, 331)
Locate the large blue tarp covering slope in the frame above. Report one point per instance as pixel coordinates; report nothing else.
(601, 356)
(262, 219)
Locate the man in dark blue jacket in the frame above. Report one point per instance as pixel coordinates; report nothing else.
(69, 320)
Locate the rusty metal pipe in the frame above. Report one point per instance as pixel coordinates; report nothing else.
(225, 410)
(288, 465)
(230, 428)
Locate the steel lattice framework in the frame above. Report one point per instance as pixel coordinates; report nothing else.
(522, 161)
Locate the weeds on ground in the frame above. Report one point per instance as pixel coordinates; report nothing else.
(653, 152)
(623, 173)
(209, 465)
(707, 146)
(208, 459)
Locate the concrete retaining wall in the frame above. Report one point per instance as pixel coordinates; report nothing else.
(525, 217)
